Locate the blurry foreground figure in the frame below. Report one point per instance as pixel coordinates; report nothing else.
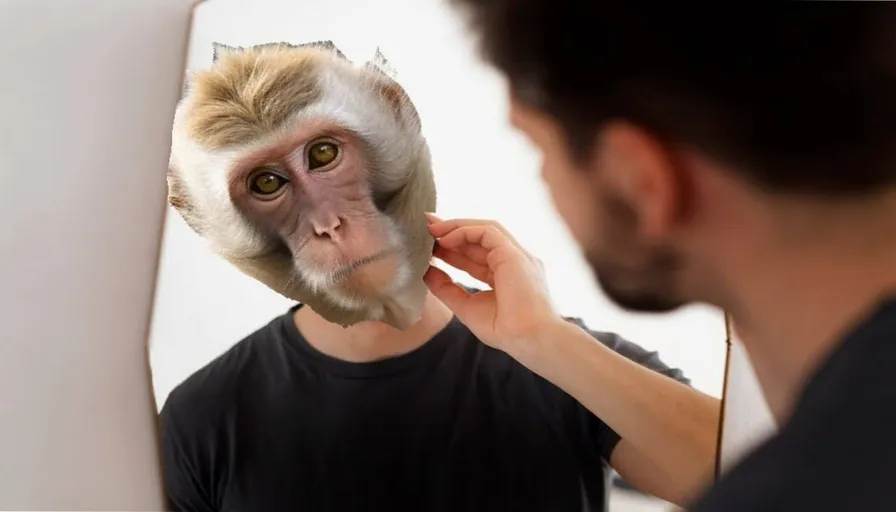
(746, 159)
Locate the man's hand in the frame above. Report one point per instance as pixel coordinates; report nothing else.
(668, 430)
(518, 309)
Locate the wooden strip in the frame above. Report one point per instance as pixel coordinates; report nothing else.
(725, 377)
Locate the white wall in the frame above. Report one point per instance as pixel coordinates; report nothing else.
(86, 96)
(483, 169)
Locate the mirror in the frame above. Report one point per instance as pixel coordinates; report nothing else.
(204, 306)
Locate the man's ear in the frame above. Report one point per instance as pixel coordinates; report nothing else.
(642, 171)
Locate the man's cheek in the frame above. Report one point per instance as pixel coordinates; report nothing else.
(567, 201)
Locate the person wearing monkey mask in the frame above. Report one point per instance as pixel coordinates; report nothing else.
(747, 160)
(311, 175)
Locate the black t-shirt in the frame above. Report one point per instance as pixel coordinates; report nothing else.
(838, 451)
(275, 425)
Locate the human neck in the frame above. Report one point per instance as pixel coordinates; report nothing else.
(371, 341)
(797, 301)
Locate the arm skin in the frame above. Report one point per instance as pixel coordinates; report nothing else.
(668, 429)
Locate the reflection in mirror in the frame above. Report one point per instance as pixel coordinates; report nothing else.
(300, 174)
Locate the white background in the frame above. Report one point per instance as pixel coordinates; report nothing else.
(482, 168)
(748, 420)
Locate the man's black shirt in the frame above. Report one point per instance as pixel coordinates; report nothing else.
(275, 425)
(838, 450)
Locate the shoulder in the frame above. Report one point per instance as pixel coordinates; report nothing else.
(843, 445)
(788, 472)
(630, 350)
(199, 414)
(492, 361)
(210, 391)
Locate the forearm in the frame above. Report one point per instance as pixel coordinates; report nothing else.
(672, 424)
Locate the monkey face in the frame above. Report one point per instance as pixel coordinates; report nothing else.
(310, 175)
(315, 194)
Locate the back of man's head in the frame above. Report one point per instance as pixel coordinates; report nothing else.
(797, 97)
(691, 148)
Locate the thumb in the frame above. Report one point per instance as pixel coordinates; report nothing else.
(446, 290)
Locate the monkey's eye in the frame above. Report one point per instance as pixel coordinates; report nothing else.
(266, 183)
(321, 154)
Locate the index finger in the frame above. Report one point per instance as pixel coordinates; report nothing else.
(440, 228)
(488, 237)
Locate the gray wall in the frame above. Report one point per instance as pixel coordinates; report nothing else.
(87, 94)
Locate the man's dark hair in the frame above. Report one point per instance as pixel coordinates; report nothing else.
(798, 96)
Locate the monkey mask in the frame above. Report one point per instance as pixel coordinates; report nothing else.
(310, 174)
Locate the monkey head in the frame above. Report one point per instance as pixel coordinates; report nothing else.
(310, 174)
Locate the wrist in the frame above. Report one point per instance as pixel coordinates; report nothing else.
(545, 337)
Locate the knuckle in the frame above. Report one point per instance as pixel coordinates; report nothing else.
(500, 256)
(494, 232)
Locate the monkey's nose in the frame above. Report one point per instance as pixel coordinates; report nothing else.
(327, 226)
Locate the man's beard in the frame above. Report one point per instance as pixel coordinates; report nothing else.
(639, 291)
(634, 275)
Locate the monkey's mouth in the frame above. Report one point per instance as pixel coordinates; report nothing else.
(342, 273)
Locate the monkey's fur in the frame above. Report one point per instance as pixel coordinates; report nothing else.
(254, 98)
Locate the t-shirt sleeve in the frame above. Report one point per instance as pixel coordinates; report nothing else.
(183, 489)
(602, 435)
(648, 359)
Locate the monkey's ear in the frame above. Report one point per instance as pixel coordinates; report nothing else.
(381, 64)
(219, 49)
(391, 90)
